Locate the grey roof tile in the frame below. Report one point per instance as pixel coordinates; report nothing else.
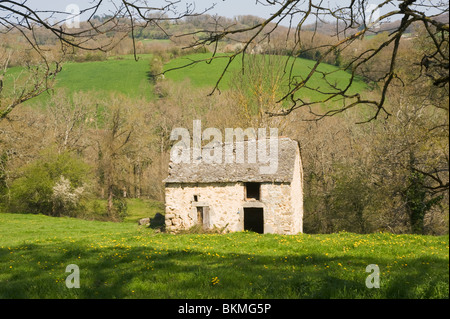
(200, 172)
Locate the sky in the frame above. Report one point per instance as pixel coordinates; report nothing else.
(231, 8)
(227, 8)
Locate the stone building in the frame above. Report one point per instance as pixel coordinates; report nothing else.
(237, 197)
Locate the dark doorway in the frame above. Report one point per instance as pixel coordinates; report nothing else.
(252, 191)
(254, 220)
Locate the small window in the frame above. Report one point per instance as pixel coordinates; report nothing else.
(253, 191)
(195, 198)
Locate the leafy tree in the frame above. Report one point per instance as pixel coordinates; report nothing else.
(350, 198)
(3, 163)
(418, 202)
(34, 191)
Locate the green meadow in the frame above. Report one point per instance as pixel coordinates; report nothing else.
(126, 76)
(206, 74)
(124, 260)
(122, 74)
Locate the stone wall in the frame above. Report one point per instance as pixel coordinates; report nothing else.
(224, 202)
(297, 194)
(226, 205)
(277, 208)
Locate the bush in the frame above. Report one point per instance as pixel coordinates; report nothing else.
(52, 185)
(65, 198)
(156, 68)
(120, 208)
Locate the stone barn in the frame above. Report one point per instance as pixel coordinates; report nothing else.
(237, 197)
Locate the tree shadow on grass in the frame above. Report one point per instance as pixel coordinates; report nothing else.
(38, 271)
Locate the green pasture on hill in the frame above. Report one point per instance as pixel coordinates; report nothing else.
(206, 74)
(121, 74)
(124, 75)
(124, 260)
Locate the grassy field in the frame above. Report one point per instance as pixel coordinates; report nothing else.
(123, 260)
(206, 75)
(126, 76)
(138, 208)
(121, 74)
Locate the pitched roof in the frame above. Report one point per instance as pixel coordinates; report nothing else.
(200, 172)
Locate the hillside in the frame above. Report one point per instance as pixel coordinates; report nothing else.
(121, 74)
(118, 74)
(124, 75)
(205, 74)
(126, 261)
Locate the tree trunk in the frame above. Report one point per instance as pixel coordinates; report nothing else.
(110, 205)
